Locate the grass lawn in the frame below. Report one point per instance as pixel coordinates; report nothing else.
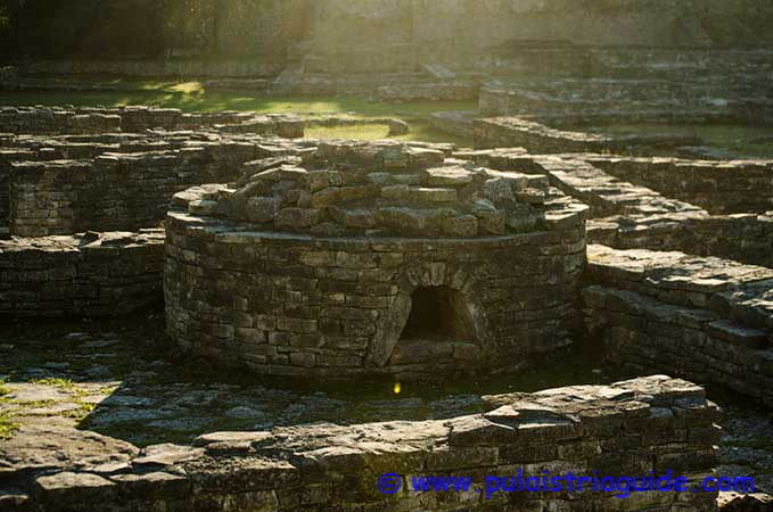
(754, 141)
(420, 131)
(193, 97)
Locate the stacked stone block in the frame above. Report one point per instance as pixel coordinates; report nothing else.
(498, 132)
(90, 274)
(636, 428)
(59, 120)
(725, 187)
(114, 191)
(629, 216)
(706, 319)
(98, 186)
(580, 177)
(741, 237)
(310, 270)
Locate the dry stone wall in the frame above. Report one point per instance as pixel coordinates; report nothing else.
(741, 237)
(499, 132)
(579, 177)
(706, 319)
(89, 274)
(59, 120)
(121, 191)
(119, 181)
(625, 215)
(725, 187)
(662, 423)
(312, 266)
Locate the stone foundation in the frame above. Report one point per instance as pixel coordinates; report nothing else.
(735, 186)
(705, 319)
(653, 424)
(741, 237)
(58, 120)
(113, 191)
(91, 274)
(501, 132)
(627, 215)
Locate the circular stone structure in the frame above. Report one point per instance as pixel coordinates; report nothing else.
(373, 258)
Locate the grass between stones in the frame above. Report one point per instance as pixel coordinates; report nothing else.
(8, 427)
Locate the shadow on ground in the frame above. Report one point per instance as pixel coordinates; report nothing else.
(94, 390)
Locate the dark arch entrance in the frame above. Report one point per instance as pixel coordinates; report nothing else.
(438, 313)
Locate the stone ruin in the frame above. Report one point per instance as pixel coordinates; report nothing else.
(343, 259)
(373, 258)
(279, 255)
(663, 424)
(273, 254)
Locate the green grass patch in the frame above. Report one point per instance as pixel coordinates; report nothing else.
(56, 382)
(376, 131)
(8, 427)
(194, 97)
(744, 140)
(359, 132)
(4, 390)
(82, 412)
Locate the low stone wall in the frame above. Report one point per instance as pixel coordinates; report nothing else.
(579, 177)
(705, 319)
(746, 238)
(580, 96)
(115, 191)
(720, 187)
(725, 97)
(652, 424)
(498, 132)
(91, 274)
(443, 90)
(459, 123)
(56, 120)
(59, 120)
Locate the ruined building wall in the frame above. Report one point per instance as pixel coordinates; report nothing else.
(92, 274)
(111, 192)
(720, 187)
(700, 318)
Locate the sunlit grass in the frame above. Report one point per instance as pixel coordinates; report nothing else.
(359, 132)
(740, 139)
(376, 131)
(192, 96)
(8, 427)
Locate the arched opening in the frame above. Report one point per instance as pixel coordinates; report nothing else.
(438, 313)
